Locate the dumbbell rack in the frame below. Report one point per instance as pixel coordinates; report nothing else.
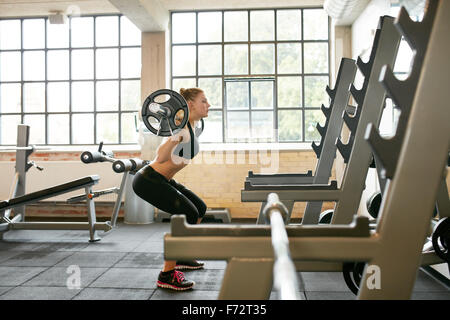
(326, 150)
(395, 247)
(356, 152)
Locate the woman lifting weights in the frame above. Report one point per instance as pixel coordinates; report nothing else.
(154, 183)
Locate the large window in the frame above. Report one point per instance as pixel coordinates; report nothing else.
(264, 71)
(76, 83)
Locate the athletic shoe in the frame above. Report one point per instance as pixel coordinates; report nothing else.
(189, 265)
(174, 280)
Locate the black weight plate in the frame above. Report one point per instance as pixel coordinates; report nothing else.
(325, 216)
(159, 124)
(373, 204)
(441, 235)
(347, 271)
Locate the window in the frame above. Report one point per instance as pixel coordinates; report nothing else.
(264, 71)
(75, 84)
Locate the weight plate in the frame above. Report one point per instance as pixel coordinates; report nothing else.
(441, 239)
(165, 118)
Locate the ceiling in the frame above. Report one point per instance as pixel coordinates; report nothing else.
(22, 8)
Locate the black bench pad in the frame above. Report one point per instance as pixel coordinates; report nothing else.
(49, 192)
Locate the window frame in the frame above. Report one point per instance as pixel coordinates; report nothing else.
(69, 48)
(224, 78)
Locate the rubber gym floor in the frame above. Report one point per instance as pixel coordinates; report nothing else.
(124, 265)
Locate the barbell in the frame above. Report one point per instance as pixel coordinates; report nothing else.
(165, 118)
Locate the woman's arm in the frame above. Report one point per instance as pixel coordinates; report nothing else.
(165, 149)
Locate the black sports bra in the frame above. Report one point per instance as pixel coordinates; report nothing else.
(189, 149)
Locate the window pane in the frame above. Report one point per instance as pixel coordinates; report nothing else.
(183, 28)
(177, 84)
(262, 25)
(82, 128)
(312, 117)
(82, 31)
(238, 127)
(183, 60)
(263, 58)
(129, 34)
(33, 33)
(236, 59)
(106, 31)
(129, 134)
(107, 63)
(209, 60)
(315, 24)
(213, 127)
(10, 66)
(58, 97)
(262, 94)
(213, 90)
(404, 58)
(289, 125)
(107, 95)
(237, 95)
(130, 95)
(262, 125)
(289, 92)
(37, 128)
(289, 58)
(209, 27)
(58, 65)
(10, 34)
(386, 127)
(315, 94)
(130, 63)
(316, 57)
(83, 96)
(82, 64)
(8, 129)
(57, 35)
(289, 25)
(10, 97)
(107, 128)
(33, 65)
(34, 97)
(236, 26)
(58, 129)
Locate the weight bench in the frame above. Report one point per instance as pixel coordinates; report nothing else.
(17, 222)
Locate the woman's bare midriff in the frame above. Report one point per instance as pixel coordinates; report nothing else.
(168, 168)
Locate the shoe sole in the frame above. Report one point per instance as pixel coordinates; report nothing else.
(183, 267)
(169, 286)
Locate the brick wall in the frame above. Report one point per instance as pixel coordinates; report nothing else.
(215, 176)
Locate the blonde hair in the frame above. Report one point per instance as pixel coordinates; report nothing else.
(190, 93)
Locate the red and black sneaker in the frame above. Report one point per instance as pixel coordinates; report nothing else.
(189, 265)
(174, 280)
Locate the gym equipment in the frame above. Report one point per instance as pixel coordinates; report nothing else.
(125, 166)
(406, 208)
(441, 239)
(166, 118)
(285, 277)
(356, 153)
(18, 199)
(326, 150)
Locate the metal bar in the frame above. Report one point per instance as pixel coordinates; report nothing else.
(59, 226)
(118, 202)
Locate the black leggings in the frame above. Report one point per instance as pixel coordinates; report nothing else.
(168, 195)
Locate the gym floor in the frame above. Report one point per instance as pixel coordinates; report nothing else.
(125, 264)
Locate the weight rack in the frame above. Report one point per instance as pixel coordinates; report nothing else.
(326, 149)
(356, 152)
